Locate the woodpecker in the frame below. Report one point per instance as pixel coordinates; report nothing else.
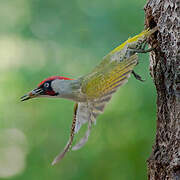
(93, 91)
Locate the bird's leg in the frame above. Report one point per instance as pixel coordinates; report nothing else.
(138, 77)
(141, 48)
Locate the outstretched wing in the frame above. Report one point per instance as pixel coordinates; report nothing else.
(105, 81)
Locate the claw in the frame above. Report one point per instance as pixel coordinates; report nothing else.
(142, 48)
(138, 77)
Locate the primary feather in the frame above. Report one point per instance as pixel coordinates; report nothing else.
(108, 78)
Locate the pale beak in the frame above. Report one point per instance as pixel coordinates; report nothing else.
(34, 93)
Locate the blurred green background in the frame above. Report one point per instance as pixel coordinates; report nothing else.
(41, 38)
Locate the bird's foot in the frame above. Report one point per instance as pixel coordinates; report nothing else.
(138, 77)
(142, 48)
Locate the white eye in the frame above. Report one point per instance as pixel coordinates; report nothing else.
(46, 85)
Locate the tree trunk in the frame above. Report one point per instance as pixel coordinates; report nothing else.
(164, 162)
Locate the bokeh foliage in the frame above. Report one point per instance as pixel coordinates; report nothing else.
(40, 38)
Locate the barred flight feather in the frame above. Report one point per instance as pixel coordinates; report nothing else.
(113, 76)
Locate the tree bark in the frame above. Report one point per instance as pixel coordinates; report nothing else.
(164, 162)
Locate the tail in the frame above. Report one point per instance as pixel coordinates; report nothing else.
(141, 37)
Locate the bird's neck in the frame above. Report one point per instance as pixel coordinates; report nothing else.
(68, 89)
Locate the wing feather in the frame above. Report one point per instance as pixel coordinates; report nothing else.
(109, 78)
(60, 156)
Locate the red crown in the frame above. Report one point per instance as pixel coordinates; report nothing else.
(53, 78)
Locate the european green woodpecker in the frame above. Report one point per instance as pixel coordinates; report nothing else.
(93, 91)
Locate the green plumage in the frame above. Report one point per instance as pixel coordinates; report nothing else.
(115, 68)
(108, 77)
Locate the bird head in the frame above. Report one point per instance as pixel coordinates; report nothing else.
(44, 88)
